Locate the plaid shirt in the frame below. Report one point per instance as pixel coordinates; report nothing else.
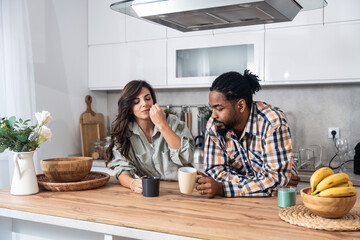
(258, 161)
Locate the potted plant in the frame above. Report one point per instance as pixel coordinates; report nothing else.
(19, 137)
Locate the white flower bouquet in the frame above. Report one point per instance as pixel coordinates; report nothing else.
(17, 136)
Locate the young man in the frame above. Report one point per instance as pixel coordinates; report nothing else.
(248, 148)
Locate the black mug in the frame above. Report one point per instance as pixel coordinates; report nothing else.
(150, 186)
(357, 159)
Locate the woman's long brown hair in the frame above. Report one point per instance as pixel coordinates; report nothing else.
(120, 126)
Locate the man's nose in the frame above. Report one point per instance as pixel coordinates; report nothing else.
(213, 114)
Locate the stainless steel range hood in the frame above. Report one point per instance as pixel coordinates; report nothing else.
(194, 15)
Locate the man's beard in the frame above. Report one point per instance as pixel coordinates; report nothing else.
(222, 130)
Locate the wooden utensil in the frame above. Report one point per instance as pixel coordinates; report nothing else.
(89, 116)
(89, 133)
(188, 120)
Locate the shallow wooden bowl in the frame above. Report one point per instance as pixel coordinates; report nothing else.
(67, 169)
(327, 207)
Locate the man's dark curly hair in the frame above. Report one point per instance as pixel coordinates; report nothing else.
(235, 86)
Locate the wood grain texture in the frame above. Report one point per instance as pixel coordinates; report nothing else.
(171, 212)
(89, 132)
(66, 169)
(188, 120)
(327, 207)
(92, 180)
(89, 116)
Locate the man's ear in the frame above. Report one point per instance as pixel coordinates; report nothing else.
(241, 105)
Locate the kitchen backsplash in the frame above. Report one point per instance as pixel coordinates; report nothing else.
(310, 109)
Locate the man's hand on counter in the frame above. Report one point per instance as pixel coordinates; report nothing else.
(294, 181)
(208, 187)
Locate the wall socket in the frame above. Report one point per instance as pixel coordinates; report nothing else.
(337, 130)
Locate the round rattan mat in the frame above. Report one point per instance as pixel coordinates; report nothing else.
(301, 216)
(92, 180)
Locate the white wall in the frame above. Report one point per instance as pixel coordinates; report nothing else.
(59, 41)
(59, 45)
(4, 172)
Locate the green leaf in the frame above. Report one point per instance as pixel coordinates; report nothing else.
(12, 121)
(2, 148)
(22, 138)
(208, 114)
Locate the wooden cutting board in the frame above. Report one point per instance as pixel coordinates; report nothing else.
(89, 132)
(92, 127)
(89, 116)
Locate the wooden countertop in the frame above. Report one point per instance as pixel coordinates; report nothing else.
(171, 212)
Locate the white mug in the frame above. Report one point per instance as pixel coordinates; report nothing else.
(187, 179)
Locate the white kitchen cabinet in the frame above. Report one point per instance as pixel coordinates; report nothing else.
(105, 66)
(179, 76)
(112, 66)
(335, 11)
(313, 54)
(139, 30)
(318, 46)
(104, 24)
(342, 10)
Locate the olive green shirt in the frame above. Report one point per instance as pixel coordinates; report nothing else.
(156, 158)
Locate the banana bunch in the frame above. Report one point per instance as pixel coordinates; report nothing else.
(324, 183)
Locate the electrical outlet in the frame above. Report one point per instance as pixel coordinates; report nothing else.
(337, 130)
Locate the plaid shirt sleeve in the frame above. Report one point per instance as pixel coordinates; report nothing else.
(244, 176)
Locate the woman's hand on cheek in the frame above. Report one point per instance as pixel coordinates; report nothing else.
(157, 115)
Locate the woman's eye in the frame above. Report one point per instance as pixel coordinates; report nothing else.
(136, 102)
(147, 99)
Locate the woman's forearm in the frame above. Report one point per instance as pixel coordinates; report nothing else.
(125, 180)
(172, 139)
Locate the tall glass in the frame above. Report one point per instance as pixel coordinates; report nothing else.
(342, 148)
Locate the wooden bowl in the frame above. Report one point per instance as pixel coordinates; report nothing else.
(327, 207)
(67, 169)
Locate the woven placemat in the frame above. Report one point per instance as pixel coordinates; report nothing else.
(92, 180)
(301, 216)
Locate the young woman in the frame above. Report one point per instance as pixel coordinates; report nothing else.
(144, 141)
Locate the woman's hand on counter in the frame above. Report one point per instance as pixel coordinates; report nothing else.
(137, 185)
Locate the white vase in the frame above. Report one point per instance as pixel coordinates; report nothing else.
(24, 180)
